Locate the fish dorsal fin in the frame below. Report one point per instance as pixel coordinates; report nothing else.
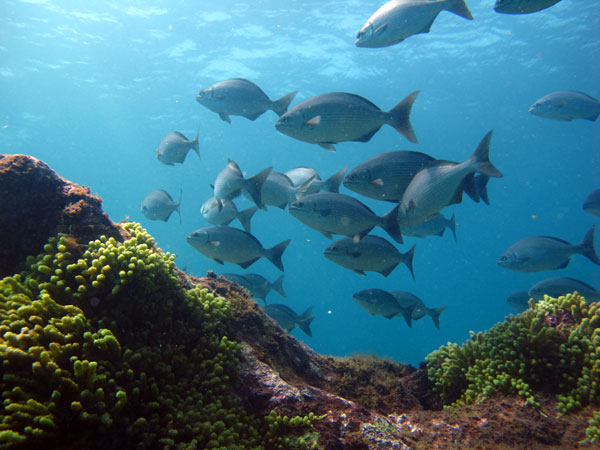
(427, 27)
(225, 117)
(380, 29)
(552, 238)
(180, 135)
(377, 182)
(315, 121)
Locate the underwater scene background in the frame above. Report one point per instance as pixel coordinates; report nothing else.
(92, 88)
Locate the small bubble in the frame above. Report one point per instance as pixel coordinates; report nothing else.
(94, 301)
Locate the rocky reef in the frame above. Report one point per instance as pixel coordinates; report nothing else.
(104, 343)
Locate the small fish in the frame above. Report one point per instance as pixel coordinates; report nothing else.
(519, 300)
(399, 19)
(566, 106)
(410, 301)
(333, 213)
(158, 205)
(288, 319)
(210, 212)
(174, 147)
(230, 181)
(378, 302)
(370, 254)
(327, 119)
(256, 284)
(537, 253)
(555, 287)
(278, 190)
(522, 6)
(227, 244)
(592, 203)
(442, 183)
(240, 97)
(434, 226)
(302, 175)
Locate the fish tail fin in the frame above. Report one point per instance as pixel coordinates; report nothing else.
(452, 226)
(391, 226)
(280, 106)
(400, 117)
(587, 246)
(196, 145)
(274, 254)
(435, 315)
(481, 158)
(332, 184)
(245, 216)
(460, 8)
(481, 181)
(407, 259)
(277, 286)
(178, 205)
(304, 321)
(254, 185)
(407, 314)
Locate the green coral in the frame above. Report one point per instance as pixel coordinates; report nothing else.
(105, 349)
(553, 347)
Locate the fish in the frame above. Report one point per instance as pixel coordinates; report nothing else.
(410, 301)
(302, 175)
(442, 183)
(240, 97)
(370, 254)
(229, 212)
(558, 286)
(257, 285)
(378, 302)
(566, 106)
(288, 319)
(519, 300)
(434, 226)
(278, 190)
(522, 6)
(328, 119)
(399, 19)
(174, 147)
(334, 213)
(537, 253)
(227, 244)
(158, 205)
(231, 180)
(592, 203)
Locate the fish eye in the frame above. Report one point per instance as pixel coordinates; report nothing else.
(300, 204)
(503, 258)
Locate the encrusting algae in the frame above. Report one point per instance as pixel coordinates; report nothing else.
(105, 349)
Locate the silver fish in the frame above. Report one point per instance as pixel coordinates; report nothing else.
(441, 183)
(378, 302)
(278, 190)
(240, 97)
(519, 300)
(231, 180)
(327, 119)
(592, 203)
(288, 319)
(174, 147)
(333, 213)
(400, 19)
(370, 254)
(210, 212)
(557, 286)
(302, 175)
(566, 106)
(257, 285)
(434, 226)
(522, 6)
(410, 301)
(158, 205)
(227, 244)
(537, 253)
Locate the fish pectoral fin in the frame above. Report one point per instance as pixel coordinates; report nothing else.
(377, 182)
(355, 254)
(380, 29)
(360, 272)
(563, 264)
(411, 206)
(327, 146)
(315, 121)
(225, 117)
(214, 243)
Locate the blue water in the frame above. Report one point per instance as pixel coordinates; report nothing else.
(92, 87)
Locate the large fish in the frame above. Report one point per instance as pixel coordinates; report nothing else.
(288, 319)
(378, 302)
(158, 205)
(537, 253)
(558, 286)
(231, 180)
(333, 213)
(522, 6)
(434, 226)
(227, 244)
(370, 254)
(410, 301)
(327, 119)
(257, 285)
(240, 97)
(174, 147)
(278, 190)
(400, 19)
(442, 183)
(303, 175)
(519, 300)
(592, 203)
(566, 106)
(211, 213)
